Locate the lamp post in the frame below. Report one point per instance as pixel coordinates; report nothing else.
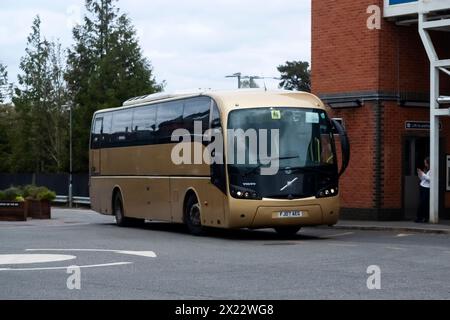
(238, 76)
(69, 106)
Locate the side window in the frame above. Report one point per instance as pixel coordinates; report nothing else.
(121, 127)
(168, 119)
(196, 110)
(215, 117)
(144, 123)
(96, 133)
(106, 132)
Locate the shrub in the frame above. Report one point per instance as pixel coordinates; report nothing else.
(31, 192)
(2, 196)
(12, 193)
(46, 195)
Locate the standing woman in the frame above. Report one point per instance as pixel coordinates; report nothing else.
(423, 212)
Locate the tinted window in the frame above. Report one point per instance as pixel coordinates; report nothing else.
(121, 126)
(169, 118)
(106, 132)
(96, 133)
(144, 123)
(196, 109)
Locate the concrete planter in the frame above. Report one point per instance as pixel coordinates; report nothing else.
(37, 209)
(13, 211)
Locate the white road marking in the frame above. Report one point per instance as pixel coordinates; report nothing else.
(404, 235)
(148, 254)
(9, 259)
(65, 268)
(342, 245)
(340, 235)
(395, 248)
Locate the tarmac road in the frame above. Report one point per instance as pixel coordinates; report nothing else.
(162, 261)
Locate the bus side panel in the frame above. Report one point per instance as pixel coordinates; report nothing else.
(143, 197)
(100, 194)
(95, 195)
(160, 199)
(211, 200)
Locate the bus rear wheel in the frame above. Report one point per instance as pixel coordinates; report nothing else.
(192, 217)
(287, 231)
(121, 220)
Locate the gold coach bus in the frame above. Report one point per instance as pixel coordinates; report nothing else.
(134, 178)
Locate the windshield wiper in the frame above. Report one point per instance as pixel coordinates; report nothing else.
(259, 165)
(307, 169)
(283, 158)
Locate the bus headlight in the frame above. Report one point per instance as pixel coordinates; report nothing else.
(332, 191)
(243, 193)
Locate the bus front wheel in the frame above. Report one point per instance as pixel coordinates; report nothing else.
(192, 216)
(287, 231)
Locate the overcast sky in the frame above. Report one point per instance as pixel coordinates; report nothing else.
(191, 43)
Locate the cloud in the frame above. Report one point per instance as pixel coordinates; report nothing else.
(191, 44)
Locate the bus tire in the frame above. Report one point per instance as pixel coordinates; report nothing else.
(192, 216)
(121, 220)
(287, 231)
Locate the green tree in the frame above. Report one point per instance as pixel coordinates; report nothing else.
(5, 87)
(40, 133)
(295, 75)
(105, 67)
(7, 120)
(249, 84)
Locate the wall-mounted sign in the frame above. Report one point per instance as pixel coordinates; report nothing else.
(398, 8)
(419, 125)
(394, 2)
(448, 173)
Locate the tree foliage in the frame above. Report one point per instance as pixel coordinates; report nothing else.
(105, 67)
(5, 87)
(41, 120)
(6, 127)
(249, 84)
(295, 75)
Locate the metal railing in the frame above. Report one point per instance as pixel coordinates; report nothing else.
(76, 200)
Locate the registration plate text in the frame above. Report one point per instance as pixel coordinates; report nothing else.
(291, 214)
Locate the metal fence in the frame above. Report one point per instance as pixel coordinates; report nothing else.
(57, 182)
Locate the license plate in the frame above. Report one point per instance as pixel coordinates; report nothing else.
(290, 214)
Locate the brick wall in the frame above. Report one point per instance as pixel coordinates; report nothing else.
(357, 183)
(344, 51)
(350, 59)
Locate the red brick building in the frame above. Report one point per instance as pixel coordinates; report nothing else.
(378, 82)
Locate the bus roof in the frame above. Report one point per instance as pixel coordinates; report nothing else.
(233, 99)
